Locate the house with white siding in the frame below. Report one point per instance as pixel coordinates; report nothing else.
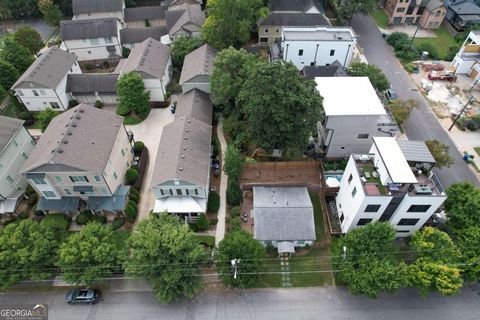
(16, 144)
(81, 159)
(95, 9)
(92, 39)
(186, 20)
(43, 84)
(91, 87)
(197, 69)
(132, 37)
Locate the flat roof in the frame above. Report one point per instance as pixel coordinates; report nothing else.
(349, 96)
(394, 160)
(319, 33)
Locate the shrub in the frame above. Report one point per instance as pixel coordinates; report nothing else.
(193, 226)
(25, 115)
(132, 203)
(72, 103)
(215, 147)
(406, 55)
(208, 241)
(235, 212)
(135, 191)
(234, 193)
(410, 67)
(131, 176)
(147, 23)
(213, 202)
(236, 224)
(89, 66)
(58, 222)
(106, 64)
(99, 219)
(118, 222)
(131, 213)
(430, 48)
(125, 52)
(133, 197)
(23, 215)
(83, 219)
(202, 223)
(98, 104)
(397, 39)
(32, 199)
(137, 147)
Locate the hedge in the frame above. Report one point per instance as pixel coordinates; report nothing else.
(142, 168)
(131, 176)
(131, 213)
(202, 223)
(236, 224)
(137, 147)
(213, 202)
(133, 197)
(234, 192)
(118, 222)
(99, 219)
(235, 212)
(83, 219)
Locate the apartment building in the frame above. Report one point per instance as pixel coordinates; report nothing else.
(426, 13)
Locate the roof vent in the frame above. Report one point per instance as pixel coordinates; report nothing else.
(182, 156)
(93, 142)
(65, 141)
(78, 117)
(60, 150)
(69, 132)
(186, 138)
(81, 110)
(74, 124)
(186, 130)
(181, 169)
(184, 148)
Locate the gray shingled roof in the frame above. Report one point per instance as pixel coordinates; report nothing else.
(294, 19)
(199, 61)
(149, 58)
(92, 82)
(465, 8)
(47, 70)
(182, 2)
(433, 4)
(8, 129)
(283, 214)
(88, 29)
(143, 13)
(291, 5)
(138, 35)
(195, 104)
(92, 6)
(177, 19)
(333, 70)
(80, 139)
(416, 151)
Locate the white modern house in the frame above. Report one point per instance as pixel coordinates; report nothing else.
(197, 69)
(467, 59)
(43, 84)
(16, 144)
(92, 39)
(283, 217)
(393, 182)
(151, 59)
(354, 114)
(315, 46)
(95, 9)
(81, 158)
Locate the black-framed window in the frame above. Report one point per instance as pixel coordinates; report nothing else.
(354, 192)
(332, 53)
(342, 217)
(419, 208)
(363, 136)
(350, 177)
(408, 222)
(363, 222)
(372, 208)
(179, 192)
(300, 52)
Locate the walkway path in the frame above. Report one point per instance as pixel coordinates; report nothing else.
(220, 232)
(284, 266)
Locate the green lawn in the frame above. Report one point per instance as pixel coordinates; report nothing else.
(477, 150)
(442, 42)
(318, 216)
(380, 17)
(372, 179)
(317, 259)
(270, 280)
(209, 241)
(131, 120)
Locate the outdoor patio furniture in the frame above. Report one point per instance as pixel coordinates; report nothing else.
(367, 175)
(374, 174)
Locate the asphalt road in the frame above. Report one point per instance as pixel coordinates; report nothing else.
(312, 303)
(422, 124)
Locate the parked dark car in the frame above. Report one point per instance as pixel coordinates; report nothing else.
(390, 95)
(83, 296)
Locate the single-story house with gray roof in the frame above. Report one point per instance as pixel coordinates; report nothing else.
(92, 39)
(91, 87)
(283, 217)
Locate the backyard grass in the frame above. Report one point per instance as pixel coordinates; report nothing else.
(209, 241)
(442, 42)
(372, 179)
(318, 217)
(317, 259)
(380, 17)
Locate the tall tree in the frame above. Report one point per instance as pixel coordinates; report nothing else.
(50, 11)
(229, 73)
(29, 38)
(281, 107)
(375, 74)
(181, 47)
(233, 162)
(165, 251)
(45, 116)
(230, 22)
(440, 153)
(16, 54)
(436, 245)
(28, 250)
(348, 8)
(88, 255)
(8, 75)
(462, 207)
(468, 242)
(401, 109)
(13, 9)
(241, 246)
(132, 95)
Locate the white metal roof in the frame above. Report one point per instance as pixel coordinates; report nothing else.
(180, 205)
(349, 96)
(394, 160)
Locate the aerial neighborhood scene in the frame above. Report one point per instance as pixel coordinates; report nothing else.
(239, 159)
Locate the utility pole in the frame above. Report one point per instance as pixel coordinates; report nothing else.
(460, 114)
(235, 263)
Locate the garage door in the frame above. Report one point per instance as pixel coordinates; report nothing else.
(397, 20)
(409, 20)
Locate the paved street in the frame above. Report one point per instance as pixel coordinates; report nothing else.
(277, 304)
(422, 124)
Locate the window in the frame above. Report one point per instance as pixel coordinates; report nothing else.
(419, 208)
(108, 40)
(38, 181)
(161, 192)
(400, 9)
(35, 93)
(437, 13)
(58, 178)
(97, 178)
(94, 41)
(354, 192)
(9, 179)
(372, 208)
(115, 175)
(408, 222)
(20, 93)
(300, 242)
(78, 178)
(263, 39)
(67, 192)
(196, 192)
(312, 64)
(171, 192)
(187, 192)
(350, 178)
(123, 153)
(15, 143)
(49, 194)
(43, 92)
(84, 40)
(332, 53)
(300, 52)
(363, 136)
(24, 156)
(363, 222)
(276, 30)
(179, 192)
(54, 105)
(342, 217)
(32, 142)
(89, 52)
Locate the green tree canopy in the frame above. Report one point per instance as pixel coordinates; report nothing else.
(50, 11)
(375, 74)
(28, 250)
(347, 8)
(16, 54)
(229, 73)
(181, 47)
(11, 9)
(401, 109)
(468, 242)
(240, 245)
(281, 108)
(45, 116)
(233, 162)
(229, 22)
(29, 38)
(132, 95)
(435, 245)
(440, 153)
(165, 251)
(8, 75)
(462, 206)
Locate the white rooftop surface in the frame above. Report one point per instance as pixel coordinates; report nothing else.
(319, 33)
(347, 96)
(394, 160)
(180, 205)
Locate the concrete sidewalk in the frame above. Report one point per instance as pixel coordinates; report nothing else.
(220, 231)
(410, 30)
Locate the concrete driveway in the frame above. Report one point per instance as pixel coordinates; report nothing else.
(149, 131)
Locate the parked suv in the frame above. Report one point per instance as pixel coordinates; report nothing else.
(85, 296)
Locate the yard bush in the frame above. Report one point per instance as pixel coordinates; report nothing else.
(118, 222)
(131, 213)
(98, 104)
(147, 23)
(125, 52)
(58, 222)
(137, 147)
(135, 191)
(215, 147)
(234, 193)
(25, 115)
(131, 176)
(202, 223)
(72, 103)
(142, 168)
(236, 224)
(83, 218)
(99, 219)
(23, 215)
(213, 202)
(235, 212)
(132, 203)
(397, 40)
(133, 197)
(193, 226)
